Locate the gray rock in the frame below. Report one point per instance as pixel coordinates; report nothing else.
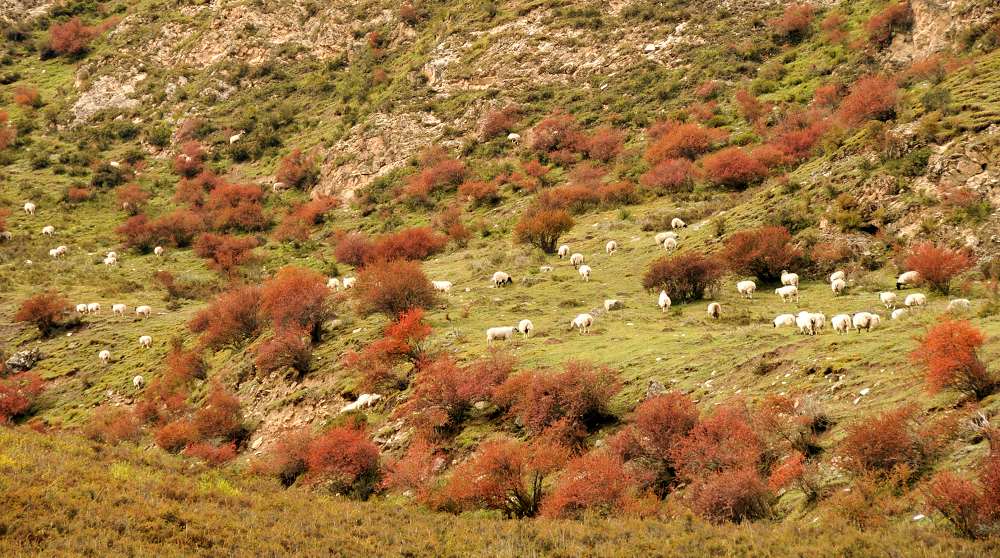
(24, 360)
(654, 388)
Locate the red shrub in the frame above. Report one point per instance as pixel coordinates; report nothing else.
(7, 132)
(192, 191)
(762, 253)
(933, 68)
(798, 133)
(288, 348)
(869, 98)
(542, 228)
(882, 444)
(177, 228)
(409, 13)
(44, 311)
(685, 277)
(211, 454)
(175, 436)
(788, 472)
(27, 97)
(949, 352)
(189, 162)
(708, 89)
(313, 211)
(287, 459)
(732, 495)
(827, 255)
(402, 341)
(794, 23)
(704, 111)
(827, 95)
(113, 425)
(225, 252)
(604, 144)
(236, 207)
(733, 167)
(750, 107)
(297, 299)
(557, 133)
(833, 26)
(132, 198)
(937, 265)
(480, 193)
(726, 441)
(79, 194)
(393, 287)
(675, 140)
(440, 172)
(618, 193)
(4, 213)
(232, 317)
(220, 416)
(449, 220)
(353, 248)
(893, 19)
(184, 365)
(500, 122)
(18, 393)
(345, 459)
(535, 169)
(415, 471)
(596, 482)
(416, 243)
(70, 38)
(974, 512)
(297, 170)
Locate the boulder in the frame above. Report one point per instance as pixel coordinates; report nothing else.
(24, 360)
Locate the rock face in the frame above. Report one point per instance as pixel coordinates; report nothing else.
(106, 92)
(24, 360)
(23, 10)
(937, 26)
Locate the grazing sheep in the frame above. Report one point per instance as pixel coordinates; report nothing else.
(789, 278)
(582, 322)
(105, 356)
(746, 288)
(661, 236)
(500, 279)
(907, 278)
(58, 251)
(585, 272)
(158, 251)
(664, 301)
(349, 282)
(6, 235)
(442, 286)
(841, 323)
(499, 333)
(714, 310)
(819, 321)
(138, 382)
(915, 299)
(576, 259)
(112, 255)
(838, 275)
(613, 304)
(959, 305)
(838, 286)
(899, 313)
(677, 223)
(611, 247)
(788, 293)
(81, 308)
(866, 321)
(29, 208)
(48, 230)
(805, 324)
(145, 341)
(563, 251)
(888, 298)
(784, 320)
(236, 137)
(670, 244)
(545, 268)
(333, 283)
(143, 311)
(108, 260)
(118, 309)
(94, 308)
(364, 400)
(525, 327)
(514, 137)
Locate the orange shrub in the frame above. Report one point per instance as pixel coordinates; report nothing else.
(231, 318)
(287, 348)
(725, 441)
(558, 135)
(798, 133)
(225, 252)
(4, 213)
(933, 68)
(884, 443)
(974, 512)
(298, 299)
(596, 482)
(869, 98)
(236, 207)
(408, 13)
(733, 167)
(542, 228)
(893, 19)
(78, 194)
(936, 265)
(415, 243)
(500, 122)
(762, 253)
(189, 162)
(297, 170)
(732, 495)
(402, 341)
(175, 436)
(7, 132)
(184, 365)
(346, 460)
(44, 311)
(794, 23)
(131, 198)
(833, 27)
(439, 172)
(480, 193)
(393, 287)
(70, 38)
(353, 248)
(674, 140)
(192, 191)
(27, 96)
(113, 425)
(949, 352)
(827, 255)
(826, 95)
(750, 107)
(287, 458)
(18, 393)
(219, 416)
(211, 454)
(415, 470)
(604, 144)
(669, 175)
(685, 277)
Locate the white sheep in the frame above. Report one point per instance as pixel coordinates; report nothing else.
(888, 298)
(143, 311)
(545, 268)
(158, 251)
(236, 137)
(333, 283)
(866, 321)
(838, 286)
(105, 356)
(677, 223)
(585, 272)
(348, 282)
(805, 324)
(108, 260)
(501, 278)
(661, 236)
(784, 320)
(513, 137)
(6, 235)
(613, 304)
(442, 286)
(94, 308)
(563, 251)
(899, 313)
(363, 400)
(664, 301)
(29, 208)
(838, 275)
(841, 323)
(138, 382)
(915, 299)
(670, 244)
(611, 247)
(788, 293)
(819, 321)
(118, 309)
(48, 230)
(907, 278)
(582, 322)
(145, 341)
(278, 187)
(81, 308)
(499, 333)
(525, 327)
(959, 305)
(714, 310)
(746, 288)
(112, 254)
(788, 278)
(576, 259)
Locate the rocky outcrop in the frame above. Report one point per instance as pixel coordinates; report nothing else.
(938, 25)
(23, 10)
(107, 92)
(24, 360)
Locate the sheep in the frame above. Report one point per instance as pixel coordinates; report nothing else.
(81, 308)
(118, 309)
(525, 327)
(838, 286)
(348, 282)
(158, 251)
(364, 400)
(442, 286)
(112, 254)
(514, 137)
(664, 301)
(94, 308)
(108, 260)
(499, 333)
(841, 323)
(236, 137)
(143, 311)
(866, 321)
(611, 247)
(677, 223)
(563, 251)
(585, 272)
(501, 278)
(576, 259)
(746, 288)
(959, 305)
(545, 268)
(915, 299)
(48, 230)
(670, 244)
(661, 236)
(805, 323)
(278, 187)
(819, 321)
(613, 304)
(838, 275)
(714, 310)
(783, 320)
(333, 283)
(6, 235)
(582, 322)
(29, 208)
(907, 278)
(138, 382)
(787, 293)
(114, 164)
(105, 356)
(888, 298)
(58, 251)
(788, 278)
(145, 341)
(899, 313)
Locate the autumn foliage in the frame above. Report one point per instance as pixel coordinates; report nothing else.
(27, 97)
(884, 443)
(232, 317)
(71, 38)
(18, 393)
(131, 198)
(604, 144)
(949, 352)
(236, 207)
(393, 287)
(226, 253)
(542, 228)
(298, 299)
(893, 19)
(669, 175)
(974, 511)
(439, 172)
(937, 265)
(189, 162)
(297, 170)
(869, 98)
(113, 425)
(674, 140)
(501, 121)
(401, 343)
(345, 460)
(7, 132)
(733, 167)
(762, 253)
(794, 22)
(44, 311)
(685, 277)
